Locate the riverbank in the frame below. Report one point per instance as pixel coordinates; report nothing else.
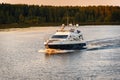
(16, 25)
(30, 29)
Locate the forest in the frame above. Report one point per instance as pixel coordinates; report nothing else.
(22, 14)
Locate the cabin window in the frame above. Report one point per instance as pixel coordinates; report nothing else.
(60, 36)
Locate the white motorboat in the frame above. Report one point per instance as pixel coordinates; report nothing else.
(66, 40)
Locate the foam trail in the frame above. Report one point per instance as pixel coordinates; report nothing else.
(107, 43)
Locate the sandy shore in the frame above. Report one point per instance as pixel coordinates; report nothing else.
(27, 29)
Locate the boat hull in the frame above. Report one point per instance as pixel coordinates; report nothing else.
(77, 46)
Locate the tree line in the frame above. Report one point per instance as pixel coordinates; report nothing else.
(34, 14)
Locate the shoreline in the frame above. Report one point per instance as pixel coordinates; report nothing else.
(38, 28)
(16, 25)
(31, 29)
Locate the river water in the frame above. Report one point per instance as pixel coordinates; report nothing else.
(20, 59)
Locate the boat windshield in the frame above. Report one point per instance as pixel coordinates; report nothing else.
(60, 36)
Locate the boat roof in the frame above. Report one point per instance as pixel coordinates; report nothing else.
(62, 31)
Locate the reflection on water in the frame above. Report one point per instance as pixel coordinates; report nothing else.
(20, 59)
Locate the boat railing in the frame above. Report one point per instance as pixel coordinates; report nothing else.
(62, 30)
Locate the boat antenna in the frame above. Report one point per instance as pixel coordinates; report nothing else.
(67, 19)
(67, 16)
